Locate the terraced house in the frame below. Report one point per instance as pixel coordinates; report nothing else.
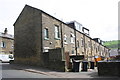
(6, 45)
(43, 40)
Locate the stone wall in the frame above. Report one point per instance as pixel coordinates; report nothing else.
(28, 34)
(109, 68)
(56, 59)
(8, 45)
(30, 43)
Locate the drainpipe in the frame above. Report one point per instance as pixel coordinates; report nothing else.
(91, 47)
(41, 34)
(75, 42)
(61, 35)
(62, 47)
(84, 43)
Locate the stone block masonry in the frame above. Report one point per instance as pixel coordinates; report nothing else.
(109, 68)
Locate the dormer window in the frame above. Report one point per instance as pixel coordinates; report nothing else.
(78, 26)
(85, 31)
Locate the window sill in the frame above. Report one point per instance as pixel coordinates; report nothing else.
(65, 43)
(57, 38)
(46, 38)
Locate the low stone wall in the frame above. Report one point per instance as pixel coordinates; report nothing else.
(57, 65)
(54, 60)
(109, 68)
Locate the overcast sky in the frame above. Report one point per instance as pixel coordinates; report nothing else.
(99, 16)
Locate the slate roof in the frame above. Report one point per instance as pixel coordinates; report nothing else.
(6, 35)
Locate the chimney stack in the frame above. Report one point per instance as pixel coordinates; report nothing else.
(5, 31)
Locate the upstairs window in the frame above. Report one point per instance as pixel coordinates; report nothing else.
(78, 44)
(96, 49)
(46, 33)
(65, 39)
(89, 44)
(57, 32)
(3, 44)
(72, 51)
(82, 42)
(78, 26)
(86, 45)
(72, 38)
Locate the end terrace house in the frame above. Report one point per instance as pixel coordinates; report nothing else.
(43, 40)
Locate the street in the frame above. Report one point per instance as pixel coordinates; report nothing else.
(15, 72)
(9, 72)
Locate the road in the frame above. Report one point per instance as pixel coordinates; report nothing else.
(9, 72)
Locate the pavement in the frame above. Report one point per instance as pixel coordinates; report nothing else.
(91, 73)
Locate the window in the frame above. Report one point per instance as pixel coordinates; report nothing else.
(78, 27)
(3, 44)
(57, 32)
(86, 45)
(72, 51)
(12, 46)
(78, 44)
(65, 39)
(96, 49)
(89, 44)
(46, 34)
(46, 49)
(82, 42)
(101, 53)
(11, 56)
(72, 38)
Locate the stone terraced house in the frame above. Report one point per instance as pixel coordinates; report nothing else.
(6, 46)
(43, 40)
(6, 43)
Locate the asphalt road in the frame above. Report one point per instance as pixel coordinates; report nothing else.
(9, 72)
